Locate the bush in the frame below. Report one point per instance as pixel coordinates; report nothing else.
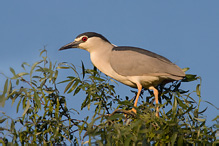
(48, 119)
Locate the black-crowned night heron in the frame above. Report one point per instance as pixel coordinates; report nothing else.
(131, 66)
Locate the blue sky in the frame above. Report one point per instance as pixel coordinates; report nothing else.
(186, 32)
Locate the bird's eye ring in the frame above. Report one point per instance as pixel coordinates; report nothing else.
(84, 39)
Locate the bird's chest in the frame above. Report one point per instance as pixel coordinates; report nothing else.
(101, 61)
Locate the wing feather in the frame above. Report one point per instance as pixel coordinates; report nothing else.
(131, 61)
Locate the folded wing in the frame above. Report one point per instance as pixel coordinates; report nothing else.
(131, 61)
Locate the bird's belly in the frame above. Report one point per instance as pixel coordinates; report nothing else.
(146, 81)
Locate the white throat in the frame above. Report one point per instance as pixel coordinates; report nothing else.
(99, 54)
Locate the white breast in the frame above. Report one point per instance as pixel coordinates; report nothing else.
(101, 61)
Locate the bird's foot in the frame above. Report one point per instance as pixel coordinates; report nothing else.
(133, 110)
(130, 112)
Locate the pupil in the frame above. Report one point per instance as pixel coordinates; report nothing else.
(84, 39)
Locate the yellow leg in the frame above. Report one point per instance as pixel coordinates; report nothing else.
(156, 99)
(139, 86)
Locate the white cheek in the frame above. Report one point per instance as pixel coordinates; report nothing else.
(84, 46)
(89, 44)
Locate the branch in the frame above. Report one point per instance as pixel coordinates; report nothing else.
(128, 112)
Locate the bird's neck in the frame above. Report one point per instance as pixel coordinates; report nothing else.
(100, 47)
(100, 57)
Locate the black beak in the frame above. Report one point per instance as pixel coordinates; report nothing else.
(70, 45)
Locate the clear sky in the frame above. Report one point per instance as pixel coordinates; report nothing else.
(186, 32)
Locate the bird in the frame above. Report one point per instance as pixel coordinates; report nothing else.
(132, 66)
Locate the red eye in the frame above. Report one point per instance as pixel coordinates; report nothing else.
(84, 39)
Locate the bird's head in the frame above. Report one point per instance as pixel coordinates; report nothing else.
(87, 41)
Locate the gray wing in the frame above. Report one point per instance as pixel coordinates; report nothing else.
(131, 61)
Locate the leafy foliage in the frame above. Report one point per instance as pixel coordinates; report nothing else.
(48, 119)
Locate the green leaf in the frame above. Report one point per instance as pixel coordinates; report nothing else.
(43, 82)
(74, 86)
(97, 78)
(19, 75)
(44, 50)
(56, 75)
(203, 123)
(63, 67)
(189, 109)
(211, 104)
(26, 108)
(95, 71)
(24, 102)
(14, 98)
(69, 85)
(37, 99)
(5, 87)
(2, 120)
(180, 141)
(9, 88)
(215, 119)
(12, 70)
(185, 69)
(2, 100)
(17, 81)
(198, 90)
(74, 68)
(83, 69)
(189, 78)
(50, 65)
(174, 108)
(32, 69)
(203, 111)
(173, 138)
(125, 102)
(22, 74)
(77, 90)
(63, 81)
(24, 63)
(115, 116)
(201, 120)
(2, 97)
(18, 105)
(12, 125)
(127, 141)
(181, 103)
(57, 108)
